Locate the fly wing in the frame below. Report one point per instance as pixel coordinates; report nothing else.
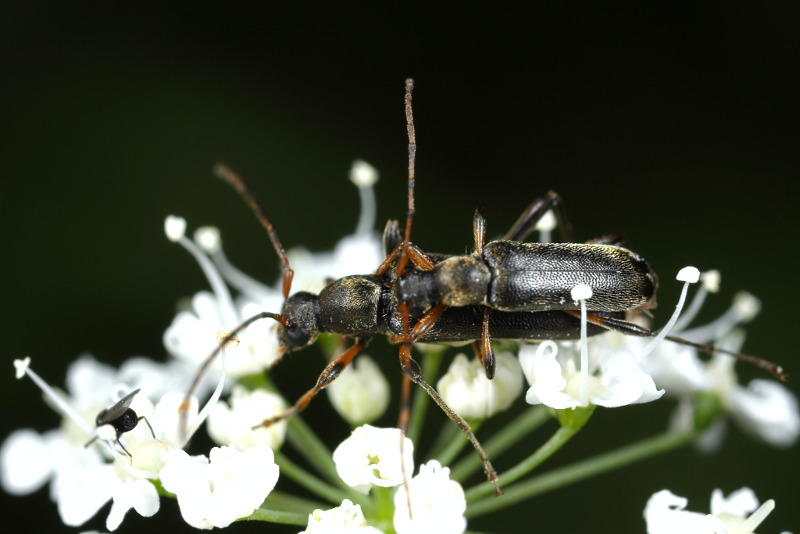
(118, 409)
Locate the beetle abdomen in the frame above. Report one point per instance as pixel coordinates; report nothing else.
(540, 276)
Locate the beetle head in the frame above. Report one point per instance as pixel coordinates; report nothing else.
(301, 311)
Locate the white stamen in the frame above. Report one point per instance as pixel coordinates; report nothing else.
(581, 293)
(21, 367)
(207, 238)
(688, 275)
(545, 226)
(215, 280)
(212, 401)
(61, 405)
(710, 284)
(745, 306)
(174, 227)
(364, 176)
(757, 517)
(244, 283)
(711, 280)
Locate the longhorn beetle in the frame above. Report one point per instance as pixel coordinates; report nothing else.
(505, 289)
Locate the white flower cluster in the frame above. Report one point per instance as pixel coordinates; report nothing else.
(233, 480)
(383, 457)
(739, 513)
(85, 478)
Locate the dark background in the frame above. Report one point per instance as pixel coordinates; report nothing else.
(675, 126)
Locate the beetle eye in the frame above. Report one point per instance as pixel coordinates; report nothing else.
(297, 336)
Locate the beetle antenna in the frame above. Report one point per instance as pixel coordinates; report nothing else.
(228, 175)
(230, 339)
(412, 157)
(709, 348)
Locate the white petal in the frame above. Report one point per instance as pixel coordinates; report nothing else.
(89, 381)
(741, 502)
(437, 503)
(138, 494)
(345, 518)
(544, 373)
(228, 486)
(767, 409)
(361, 393)
(665, 514)
(26, 462)
(83, 487)
(470, 394)
(372, 456)
(234, 423)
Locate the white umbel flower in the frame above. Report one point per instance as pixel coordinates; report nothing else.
(233, 422)
(739, 513)
(437, 503)
(85, 479)
(555, 381)
(345, 518)
(471, 395)
(361, 392)
(218, 490)
(371, 456)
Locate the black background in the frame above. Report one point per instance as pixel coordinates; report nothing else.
(675, 126)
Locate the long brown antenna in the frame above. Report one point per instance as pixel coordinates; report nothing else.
(227, 174)
(412, 155)
(224, 341)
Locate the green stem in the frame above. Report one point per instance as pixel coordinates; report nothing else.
(456, 444)
(278, 516)
(500, 442)
(447, 435)
(311, 447)
(580, 471)
(286, 502)
(309, 481)
(556, 441)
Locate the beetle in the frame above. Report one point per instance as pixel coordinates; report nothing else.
(121, 418)
(504, 289)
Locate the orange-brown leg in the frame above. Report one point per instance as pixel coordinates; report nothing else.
(483, 347)
(329, 374)
(412, 371)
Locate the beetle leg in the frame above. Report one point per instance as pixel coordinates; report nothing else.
(329, 374)
(611, 323)
(530, 218)
(486, 346)
(483, 346)
(425, 323)
(479, 230)
(411, 371)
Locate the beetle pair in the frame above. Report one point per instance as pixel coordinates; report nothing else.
(504, 289)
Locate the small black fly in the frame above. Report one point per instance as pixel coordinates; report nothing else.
(122, 419)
